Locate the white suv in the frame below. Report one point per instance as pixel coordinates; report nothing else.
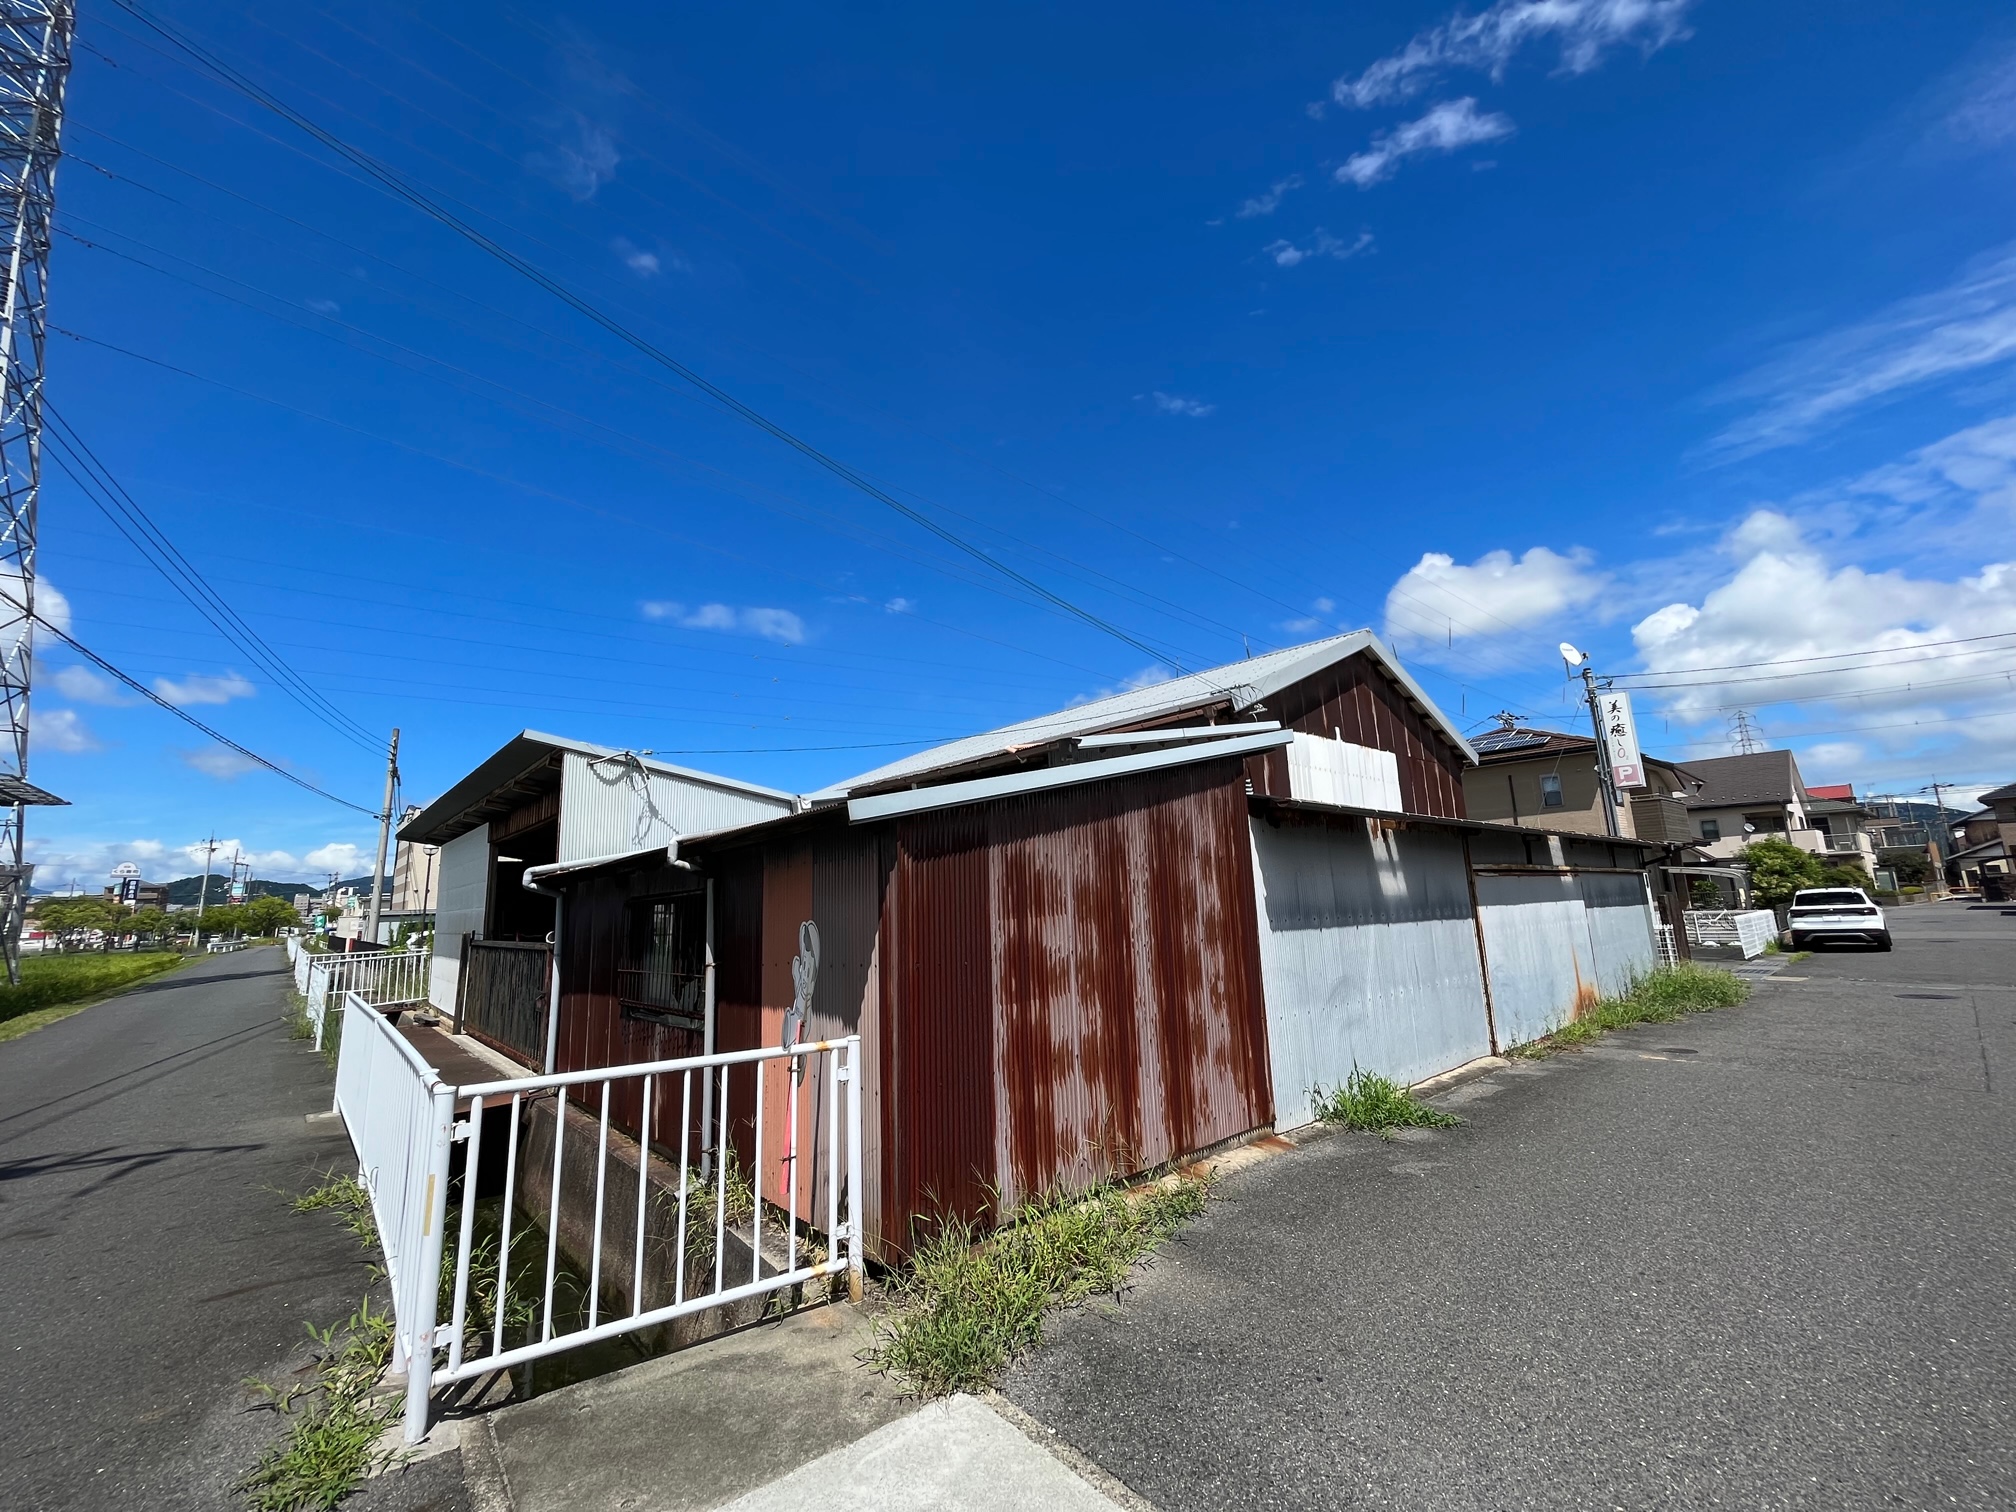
(1836, 913)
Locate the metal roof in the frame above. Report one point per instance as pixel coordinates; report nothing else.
(526, 766)
(19, 790)
(1997, 795)
(1241, 684)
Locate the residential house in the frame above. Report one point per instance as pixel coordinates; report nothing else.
(1745, 798)
(541, 800)
(1550, 779)
(1093, 942)
(1986, 857)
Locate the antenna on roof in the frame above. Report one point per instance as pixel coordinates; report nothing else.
(1507, 720)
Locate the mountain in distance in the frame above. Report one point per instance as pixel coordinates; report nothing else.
(186, 890)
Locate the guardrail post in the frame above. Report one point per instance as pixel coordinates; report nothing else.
(423, 1271)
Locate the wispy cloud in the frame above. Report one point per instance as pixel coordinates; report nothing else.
(1978, 461)
(1448, 127)
(201, 689)
(1985, 114)
(581, 159)
(1439, 600)
(1268, 203)
(215, 761)
(324, 306)
(779, 625)
(82, 685)
(1288, 254)
(61, 730)
(638, 260)
(1586, 31)
(1968, 325)
(1176, 404)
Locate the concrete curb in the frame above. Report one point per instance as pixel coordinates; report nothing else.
(483, 1469)
(1047, 1439)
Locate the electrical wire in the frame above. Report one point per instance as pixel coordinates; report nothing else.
(1788, 661)
(74, 456)
(405, 190)
(187, 718)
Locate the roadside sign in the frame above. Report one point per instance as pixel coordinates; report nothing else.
(129, 889)
(1620, 738)
(237, 892)
(125, 869)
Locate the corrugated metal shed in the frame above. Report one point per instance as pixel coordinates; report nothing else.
(1070, 991)
(1536, 940)
(1369, 953)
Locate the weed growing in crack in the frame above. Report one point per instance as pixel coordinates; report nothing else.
(1659, 997)
(333, 1441)
(1371, 1102)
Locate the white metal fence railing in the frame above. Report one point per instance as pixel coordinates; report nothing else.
(1752, 929)
(1669, 954)
(655, 1228)
(388, 976)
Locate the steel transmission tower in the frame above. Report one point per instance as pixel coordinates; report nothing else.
(35, 38)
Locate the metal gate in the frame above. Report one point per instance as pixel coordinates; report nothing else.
(503, 996)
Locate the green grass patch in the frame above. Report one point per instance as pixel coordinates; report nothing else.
(1659, 997)
(967, 1303)
(347, 1198)
(335, 1426)
(52, 981)
(1371, 1102)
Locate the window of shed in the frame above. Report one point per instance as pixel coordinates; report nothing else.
(1711, 829)
(1550, 789)
(663, 974)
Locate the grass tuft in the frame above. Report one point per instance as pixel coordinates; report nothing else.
(346, 1196)
(966, 1304)
(1370, 1101)
(333, 1441)
(51, 981)
(1659, 997)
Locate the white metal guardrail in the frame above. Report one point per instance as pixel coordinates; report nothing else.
(402, 1123)
(1669, 954)
(389, 976)
(1752, 929)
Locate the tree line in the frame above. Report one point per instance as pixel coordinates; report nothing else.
(73, 920)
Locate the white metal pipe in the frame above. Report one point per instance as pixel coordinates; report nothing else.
(832, 1149)
(856, 1274)
(641, 1068)
(756, 1212)
(601, 1180)
(707, 1034)
(553, 1216)
(504, 1242)
(643, 1186)
(685, 1173)
(721, 1187)
(470, 1163)
(423, 1283)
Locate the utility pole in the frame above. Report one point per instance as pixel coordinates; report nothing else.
(384, 838)
(1606, 780)
(203, 893)
(34, 68)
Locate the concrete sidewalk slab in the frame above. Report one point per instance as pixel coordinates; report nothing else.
(952, 1453)
(695, 1430)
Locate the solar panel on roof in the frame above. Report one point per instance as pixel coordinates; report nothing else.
(1507, 740)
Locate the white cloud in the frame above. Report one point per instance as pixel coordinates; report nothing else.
(1268, 203)
(1447, 127)
(1901, 677)
(772, 624)
(82, 685)
(201, 689)
(89, 862)
(1147, 677)
(325, 306)
(581, 160)
(61, 730)
(1176, 404)
(50, 604)
(1966, 326)
(638, 259)
(1439, 600)
(1287, 254)
(1986, 112)
(217, 761)
(1585, 30)
(900, 605)
(1980, 460)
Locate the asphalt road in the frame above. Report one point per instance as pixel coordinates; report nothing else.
(1772, 1271)
(149, 1262)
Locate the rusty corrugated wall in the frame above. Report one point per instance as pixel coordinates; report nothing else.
(1355, 701)
(1070, 990)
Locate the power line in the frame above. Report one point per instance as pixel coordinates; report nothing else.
(186, 717)
(400, 187)
(1824, 656)
(97, 483)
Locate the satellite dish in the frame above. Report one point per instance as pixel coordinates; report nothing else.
(1571, 656)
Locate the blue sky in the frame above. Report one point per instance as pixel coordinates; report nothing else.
(1682, 329)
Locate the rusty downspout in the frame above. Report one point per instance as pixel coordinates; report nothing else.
(1483, 956)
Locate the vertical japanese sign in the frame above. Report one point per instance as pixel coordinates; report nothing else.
(1620, 738)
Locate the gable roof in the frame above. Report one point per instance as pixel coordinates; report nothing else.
(2002, 794)
(527, 765)
(1240, 684)
(1759, 777)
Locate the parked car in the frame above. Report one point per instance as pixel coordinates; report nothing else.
(1836, 913)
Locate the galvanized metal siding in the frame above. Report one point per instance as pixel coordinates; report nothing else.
(1620, 929)
(1070, 991)
(1536, 941)
(1369, 955)
(603, 808)
(464, 896)
(1355, 701)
